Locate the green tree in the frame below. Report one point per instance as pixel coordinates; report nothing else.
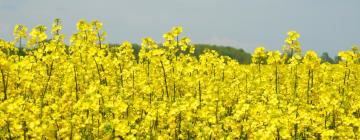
(326, 58)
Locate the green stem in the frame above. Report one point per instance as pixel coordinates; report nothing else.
(199, 93)
(8, 128)
(4, 84)
(165, 81)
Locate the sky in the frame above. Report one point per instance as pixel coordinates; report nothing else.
(324, 25)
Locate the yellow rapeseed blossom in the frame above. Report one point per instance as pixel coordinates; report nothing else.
(89, 89)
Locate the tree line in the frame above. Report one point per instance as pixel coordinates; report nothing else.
(238, 54)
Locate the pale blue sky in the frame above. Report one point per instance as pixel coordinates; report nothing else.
(324, 25)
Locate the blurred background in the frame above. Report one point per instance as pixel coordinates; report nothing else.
(324, 25)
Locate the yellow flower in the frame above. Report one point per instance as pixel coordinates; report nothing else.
(37, 35)
(259, 55)
(82, 25)
(20, 31)
(274, 57)
(354, 48)
(311, 59)
(56, 26)
(177, 30)
(169, 36)
(97, 25)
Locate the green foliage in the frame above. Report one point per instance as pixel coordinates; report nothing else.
(326, 58)
(238, 54)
